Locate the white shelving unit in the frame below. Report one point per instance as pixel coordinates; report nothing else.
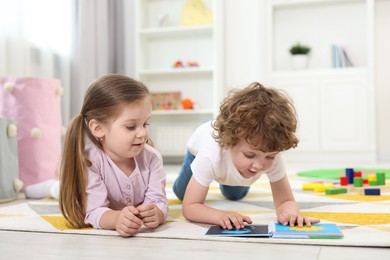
(158, 46)
(335, 105)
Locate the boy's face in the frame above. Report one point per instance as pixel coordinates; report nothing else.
(250, 162)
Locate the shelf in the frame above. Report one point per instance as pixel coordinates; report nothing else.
(160, 41)
(298, 20)
(322, 72)
(176, 71)
(176, 31)
(182, 112)
(292, 3)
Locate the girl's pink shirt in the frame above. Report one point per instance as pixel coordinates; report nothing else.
(108, 188)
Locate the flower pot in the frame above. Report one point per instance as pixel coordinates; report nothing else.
(300, 61)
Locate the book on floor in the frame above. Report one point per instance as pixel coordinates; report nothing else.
(276, 230)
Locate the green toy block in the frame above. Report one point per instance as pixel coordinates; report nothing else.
(335, 191)
(380, 178)
(357, 182)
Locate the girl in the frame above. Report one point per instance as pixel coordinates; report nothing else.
(110, 177)
(244, 142)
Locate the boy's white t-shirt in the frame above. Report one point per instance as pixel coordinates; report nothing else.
(213, 163)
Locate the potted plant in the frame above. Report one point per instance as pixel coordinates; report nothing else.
(299, 56)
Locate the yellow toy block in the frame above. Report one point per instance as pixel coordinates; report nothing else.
(311, 185)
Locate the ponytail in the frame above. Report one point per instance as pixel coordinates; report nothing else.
(72, 199)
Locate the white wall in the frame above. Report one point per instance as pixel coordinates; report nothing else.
(382, 78)
(245, 48)
(245, 42)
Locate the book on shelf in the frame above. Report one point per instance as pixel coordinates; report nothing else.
(340, 57)
(276, 230)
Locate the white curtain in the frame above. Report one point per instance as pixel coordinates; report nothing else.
(75, 41)
(36, 41)
(99, 46)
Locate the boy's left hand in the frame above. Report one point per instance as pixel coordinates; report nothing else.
(296, 219)
(288, 214)
(151, 215)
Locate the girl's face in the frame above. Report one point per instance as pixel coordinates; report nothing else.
(126, 135)
(250, 162)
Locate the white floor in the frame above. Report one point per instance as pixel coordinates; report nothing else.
(30, 245)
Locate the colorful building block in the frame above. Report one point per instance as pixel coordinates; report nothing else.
(350, 174)
(357, 182)
(372, 191)
(311, 185)
(335, 191)
(380, 178)
(344, 181)
(317, 186)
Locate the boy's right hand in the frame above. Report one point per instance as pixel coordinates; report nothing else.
(233, 219)
(127, 222)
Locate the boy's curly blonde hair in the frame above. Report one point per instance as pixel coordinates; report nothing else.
(264, 117)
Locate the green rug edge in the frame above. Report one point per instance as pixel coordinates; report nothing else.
(337, 173)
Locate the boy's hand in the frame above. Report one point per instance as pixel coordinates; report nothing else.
(127, 223)
(230, 219)
(296, 219)
(151, 215)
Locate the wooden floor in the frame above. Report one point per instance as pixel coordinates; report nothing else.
(31, 245)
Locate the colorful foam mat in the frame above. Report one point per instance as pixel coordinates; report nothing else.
(364, 220)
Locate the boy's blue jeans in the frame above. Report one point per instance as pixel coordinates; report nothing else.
(180, 185)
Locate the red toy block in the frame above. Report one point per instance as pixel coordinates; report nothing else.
(344, 181)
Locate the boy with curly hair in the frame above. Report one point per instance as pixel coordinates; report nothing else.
(254, 125)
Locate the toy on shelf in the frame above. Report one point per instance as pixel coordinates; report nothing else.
(166, 100)
(163, 20)
(192, 64)
(178, 64)
(187, 103)
(195, 12)
(188, 64)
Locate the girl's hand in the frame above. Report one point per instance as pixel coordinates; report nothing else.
(230, 219)
(151, 215)
(127, 223)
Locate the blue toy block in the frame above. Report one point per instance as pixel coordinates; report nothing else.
(349, 172)
(372, 191)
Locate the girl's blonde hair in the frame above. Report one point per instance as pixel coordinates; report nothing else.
(103, 101)
(264, 117)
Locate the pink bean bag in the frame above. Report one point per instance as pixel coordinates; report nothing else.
(34, 104)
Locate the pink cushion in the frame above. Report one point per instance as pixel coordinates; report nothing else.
(34, 103)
